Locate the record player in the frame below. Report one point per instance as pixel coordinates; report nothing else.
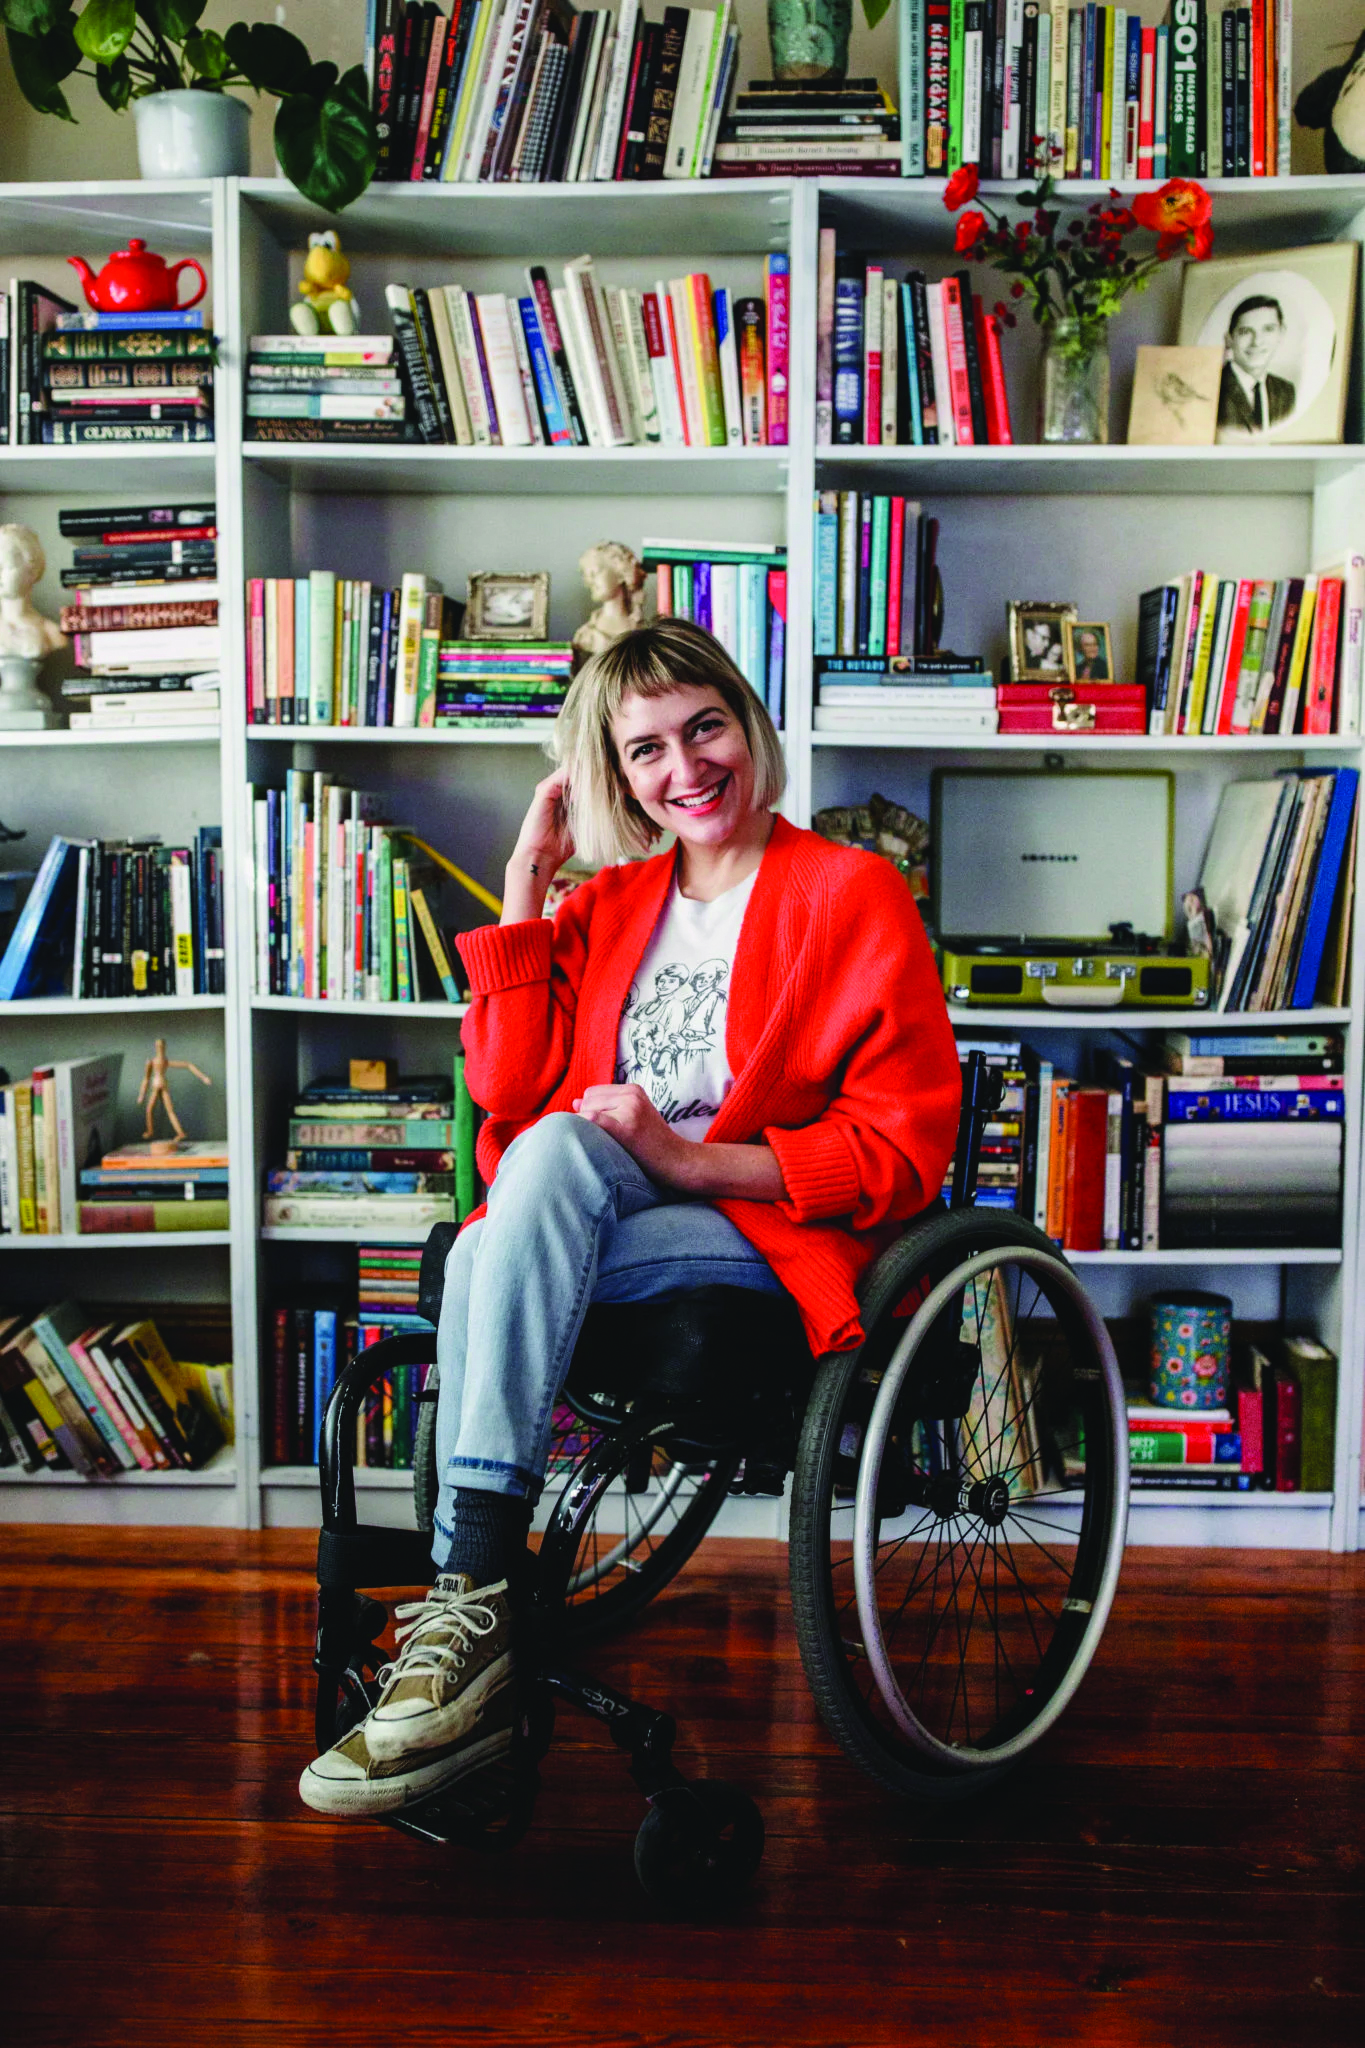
(1055, 888)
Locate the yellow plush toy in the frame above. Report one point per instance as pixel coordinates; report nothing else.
(327, 305)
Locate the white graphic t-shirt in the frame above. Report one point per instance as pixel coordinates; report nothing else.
(672, 1037)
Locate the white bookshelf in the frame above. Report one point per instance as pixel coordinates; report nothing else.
(1100, 524)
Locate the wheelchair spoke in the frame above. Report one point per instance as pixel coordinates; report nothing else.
(1066, 1570)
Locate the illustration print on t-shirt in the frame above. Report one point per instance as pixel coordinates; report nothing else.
(671, 1038)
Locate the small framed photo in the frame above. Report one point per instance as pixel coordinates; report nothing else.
(1038, 641)
(1089, 651)
(508, 607)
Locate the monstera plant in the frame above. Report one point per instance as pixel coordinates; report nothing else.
(324, 132)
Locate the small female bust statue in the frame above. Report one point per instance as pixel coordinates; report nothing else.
(615, 579)
(26, 637)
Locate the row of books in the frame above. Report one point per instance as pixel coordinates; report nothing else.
(817, 127)
(914, 362)
(94, 1393)
(334, 650)
(339, 900)
(531, 91)
(1145, 1161)
(876, 582)
(154, 557)
(1091, 92)
(489, 684)
(1277, 1435)
(72, 377)
(414, 1143)
(1277, 889)
(738, 592)
(310, 1346)
(1225, 654)
(52, 1123)
(121, 918)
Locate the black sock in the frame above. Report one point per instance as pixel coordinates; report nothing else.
(488, 1534)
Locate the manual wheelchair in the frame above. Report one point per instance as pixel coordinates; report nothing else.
(957, 1520)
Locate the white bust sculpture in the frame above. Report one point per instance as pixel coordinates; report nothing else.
(615, 579)
(23, 629)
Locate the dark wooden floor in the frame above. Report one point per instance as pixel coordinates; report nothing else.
(1184, 1863)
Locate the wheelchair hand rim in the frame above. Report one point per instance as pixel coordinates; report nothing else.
(865, 1521)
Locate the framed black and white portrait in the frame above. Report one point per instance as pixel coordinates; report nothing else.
(1038, 641)
(1284, 322)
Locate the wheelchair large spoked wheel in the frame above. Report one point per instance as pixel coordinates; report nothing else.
(626, 1516)
(960, 1507)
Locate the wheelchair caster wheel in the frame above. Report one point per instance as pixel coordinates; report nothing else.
(698, 1846)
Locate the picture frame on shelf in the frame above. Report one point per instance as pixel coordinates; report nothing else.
(1175, 397)
(1285, 321)
(508, 607)
(1038, 640)
(1089, 647)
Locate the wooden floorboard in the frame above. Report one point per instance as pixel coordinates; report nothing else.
(1182, 1862)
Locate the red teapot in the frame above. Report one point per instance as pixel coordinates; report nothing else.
(136, 280)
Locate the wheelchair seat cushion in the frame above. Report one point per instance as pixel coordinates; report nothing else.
(714, 1350)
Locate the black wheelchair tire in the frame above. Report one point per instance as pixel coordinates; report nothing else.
(942, 1242)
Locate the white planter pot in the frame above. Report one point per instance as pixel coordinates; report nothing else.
(193, 135)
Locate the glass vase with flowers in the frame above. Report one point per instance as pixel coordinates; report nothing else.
(1076, 277)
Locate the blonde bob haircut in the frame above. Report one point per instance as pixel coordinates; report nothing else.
(651, 661)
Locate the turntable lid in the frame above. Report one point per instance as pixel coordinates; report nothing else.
(1051, 855)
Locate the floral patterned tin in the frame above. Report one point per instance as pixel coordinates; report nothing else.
(1191, 1342)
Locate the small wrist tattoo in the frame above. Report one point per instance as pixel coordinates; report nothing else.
(534, 869)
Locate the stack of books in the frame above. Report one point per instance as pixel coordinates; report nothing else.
(400, 1158)
(80, 1392)
(1278, 887)
(50, 1125)
(348, 383)
(876, 579)
(789, 128)
(914, 362)
(121, 918)
(154, 558)
(1091, 92)
(493, 683)
(104, 377)
(340, 900)
(738, 591)
(389, 1277)
(334, 650)
(1287, 1413)
(511, 91)
(1254, 655)
(144, 1187)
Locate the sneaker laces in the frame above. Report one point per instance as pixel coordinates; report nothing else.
(436, 1634)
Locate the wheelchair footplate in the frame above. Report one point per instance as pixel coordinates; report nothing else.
(494, 1806)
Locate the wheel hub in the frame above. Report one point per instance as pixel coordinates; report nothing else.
(989, 1500)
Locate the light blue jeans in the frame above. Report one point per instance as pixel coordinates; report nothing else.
(571, 1219)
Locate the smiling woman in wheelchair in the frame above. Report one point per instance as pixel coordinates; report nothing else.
(730, 1063)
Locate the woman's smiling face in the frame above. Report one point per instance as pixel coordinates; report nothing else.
(686, 762)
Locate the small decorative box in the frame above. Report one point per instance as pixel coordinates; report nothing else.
(1191, 1343)
(1072, 707)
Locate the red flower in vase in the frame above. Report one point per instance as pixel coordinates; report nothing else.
(961, 187)
(970, 228)
(1179, 208)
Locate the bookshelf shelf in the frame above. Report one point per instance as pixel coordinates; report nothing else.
(524, 732)
(105, 1006)
(1254, 746)
(57, 472)
(1044, 1018)
(304, 1479)
(343, 1233)
(1269, 1257)
(310, 1006)
(119, 1240)
(214, 1474)
(1036, 470)
(521, 472)
(145, 735)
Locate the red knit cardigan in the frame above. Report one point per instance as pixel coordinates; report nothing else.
(837, 1035)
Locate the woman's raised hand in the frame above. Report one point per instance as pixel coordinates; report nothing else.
(543, 845)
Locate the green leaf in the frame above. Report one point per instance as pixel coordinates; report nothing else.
(269, 57)
(327, 147)
(114, 84)
(34, 17)
(873, 10)
(207, 53)
(40, 63)
(174, 19)
(104, 29)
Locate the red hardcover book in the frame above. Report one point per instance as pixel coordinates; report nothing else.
(1320, 691)
(255, 652)
(959, 385)
(1086, 1142)
(137, 618)
(1251, 1427)
(435, 51)
(385, 81)
(1237, 640)
(872, 355)
(1258, 13)
(1147, 105)
(895, 568)
(284, 599)
(1288, 1432)
(993, 377)
(142, 534)
(1272, 98)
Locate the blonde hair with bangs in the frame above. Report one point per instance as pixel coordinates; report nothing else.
(651, 661)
